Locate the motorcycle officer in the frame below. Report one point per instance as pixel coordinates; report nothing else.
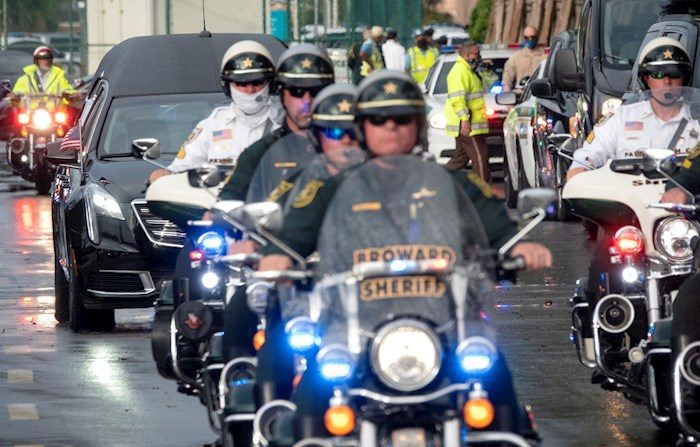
(660, 122)
(390, 120)
(42, 77)
(246, 73)
(302, 71)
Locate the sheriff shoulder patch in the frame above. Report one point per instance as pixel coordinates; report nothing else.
(687, 164)
(694, 152)
(194, 134)
(308, 194)
(590, 137)
(280, 190)
(181, 153)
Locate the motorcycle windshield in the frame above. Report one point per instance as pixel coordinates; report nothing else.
(660, 118)
(49, 102)
(283, 159)
(397, 208)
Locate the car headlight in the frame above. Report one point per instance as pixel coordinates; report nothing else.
(41, 119)
(335, 363)
(476, 355)
(438, 121)
(673, 237)
(212, 244)
(406, 355)
(99, 202)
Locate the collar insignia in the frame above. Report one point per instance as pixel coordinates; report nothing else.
(390, 88)
(344, 106)
(423, 193)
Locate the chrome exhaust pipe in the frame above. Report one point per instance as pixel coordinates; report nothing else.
(266, 415)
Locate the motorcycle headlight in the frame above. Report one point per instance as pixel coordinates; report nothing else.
(406, 355)
(438, 121)
(476, 355)
(673, 237)
(335, 363)
(210, 280)
(301, 334)
(212, 244)
(41, 119)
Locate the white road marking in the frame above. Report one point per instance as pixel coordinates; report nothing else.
(26, 349)
(22, 412)
(20, 376)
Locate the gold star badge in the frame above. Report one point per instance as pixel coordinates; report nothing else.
(390, 88)
(306, 64)
(668, 54)
(247, 63)
(344, 106)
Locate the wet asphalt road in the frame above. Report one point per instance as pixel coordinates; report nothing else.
(58, 388)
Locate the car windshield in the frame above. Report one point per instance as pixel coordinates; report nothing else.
(441, 84)
(169, 118)
(623, 26)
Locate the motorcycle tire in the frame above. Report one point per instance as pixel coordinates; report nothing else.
(81, 319)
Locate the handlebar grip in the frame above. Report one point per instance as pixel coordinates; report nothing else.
(517, 263)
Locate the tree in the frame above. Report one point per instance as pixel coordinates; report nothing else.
(35, 16)
(432, 15)
(480, 20)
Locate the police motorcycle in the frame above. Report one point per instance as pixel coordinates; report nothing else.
(395, 329)
(650, 256)
(40, 119)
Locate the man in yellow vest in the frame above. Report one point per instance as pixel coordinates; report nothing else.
(420, 58)
(42, 77)
(371, 53)
(465, 112)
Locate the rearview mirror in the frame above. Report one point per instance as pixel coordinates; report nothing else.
(266, 215)
(55, 156)
(506, 99)
(566, 75)
(543, 88)
(146, 148)
(532, 199)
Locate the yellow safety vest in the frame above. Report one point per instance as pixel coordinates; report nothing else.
(28, 84)
(421, 62)
(465, 100)
(376, 60)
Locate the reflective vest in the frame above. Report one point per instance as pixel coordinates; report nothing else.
(376, 60)
(421, 62)
(465, 100)
(28, 83)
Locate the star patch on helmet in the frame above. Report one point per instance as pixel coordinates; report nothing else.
(668, 54)
(390, 88)
(344, 106)
(247, 63)
(306, 63)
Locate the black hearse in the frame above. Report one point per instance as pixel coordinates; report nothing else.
(110, 251)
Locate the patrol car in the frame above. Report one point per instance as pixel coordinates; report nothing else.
(441, 145)
(111, 252)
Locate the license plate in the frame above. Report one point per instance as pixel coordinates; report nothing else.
(408, 437)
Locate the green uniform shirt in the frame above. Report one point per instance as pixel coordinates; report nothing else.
(689, 174)
(303, 221)
(236, 188)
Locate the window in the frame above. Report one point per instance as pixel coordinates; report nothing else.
(168, 118)
(441, 83)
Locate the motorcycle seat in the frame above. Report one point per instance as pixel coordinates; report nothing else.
(661, 337)
(241, 399)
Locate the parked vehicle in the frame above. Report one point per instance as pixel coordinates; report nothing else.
(111, 252)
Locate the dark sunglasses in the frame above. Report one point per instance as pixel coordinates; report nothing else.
(337, 133)
(247, 83)
(530, 37)
(400, 120)
(672, 75)
(299, 92)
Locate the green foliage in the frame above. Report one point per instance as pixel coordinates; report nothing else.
(480, 20)
(34, 15)
(432, 15)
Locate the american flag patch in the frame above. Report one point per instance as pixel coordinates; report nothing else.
(633, 125)
(224, 134)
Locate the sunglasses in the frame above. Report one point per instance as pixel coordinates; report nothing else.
(530, 37)
(672, 75)
(299, 92)
(247, 83)
(401, 120)
(337, 133)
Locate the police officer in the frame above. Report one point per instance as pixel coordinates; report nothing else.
(302, 71)
(420, 58)
(524, 62)
(371, 53)
(390, 119)
(246, 72)
(465, 112)
(42, 76)
(662, 121)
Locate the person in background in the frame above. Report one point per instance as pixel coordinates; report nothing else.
(354, 61)
(371, 53)
(524, 62)
(394, 52)
(440, 43)
(420, 58)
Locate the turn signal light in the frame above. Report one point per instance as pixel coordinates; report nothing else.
(629, 240)
(479, 413)
(259, 339)
(196, 255)
(60, 117)
(23, 118)
(339, 420)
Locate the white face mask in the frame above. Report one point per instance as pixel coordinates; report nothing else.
(250, 104)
